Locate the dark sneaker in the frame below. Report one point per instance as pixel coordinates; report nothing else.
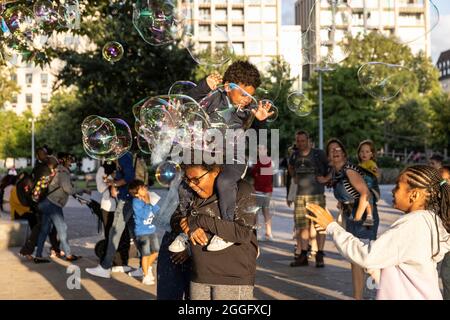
(300, 261)
(41, 260)
(319, 260)
(73, 258)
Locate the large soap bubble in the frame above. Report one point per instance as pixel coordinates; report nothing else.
(45, 15)
(157, 21)
(105, 139)
(20, 22)
(299, 104)
(69, 14)
(181, 87)
(216, 54)
(383, 81)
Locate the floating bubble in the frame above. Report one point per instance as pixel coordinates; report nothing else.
(157, 21)
(69, 14)
(112, 51)
(106, 139)
(181, 87)
(220, 53)
(383, 81)
(166, 172)
(45, 14)
(299, 104)
(20, 22)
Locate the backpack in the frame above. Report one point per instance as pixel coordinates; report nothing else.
(40, 189)
(140, 169)
(24, 187)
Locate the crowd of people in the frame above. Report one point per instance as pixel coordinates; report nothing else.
(210, 244)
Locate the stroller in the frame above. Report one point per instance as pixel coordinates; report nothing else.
(94, 206)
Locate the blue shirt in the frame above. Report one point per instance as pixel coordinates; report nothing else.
(144, 214)
(126, 172)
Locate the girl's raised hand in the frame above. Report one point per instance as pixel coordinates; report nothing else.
(262, 112)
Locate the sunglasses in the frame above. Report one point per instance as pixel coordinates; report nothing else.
(195, 181)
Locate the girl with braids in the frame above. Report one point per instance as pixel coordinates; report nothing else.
(406, 255)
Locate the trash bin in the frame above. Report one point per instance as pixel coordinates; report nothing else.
(279, 178)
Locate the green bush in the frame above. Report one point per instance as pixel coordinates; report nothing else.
(389, 162)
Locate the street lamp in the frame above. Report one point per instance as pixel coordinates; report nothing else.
(320, 71)
(32, 120)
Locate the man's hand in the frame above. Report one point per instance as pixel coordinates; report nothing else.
(213, 80)
(262, 112)
(180, 257)
(199, 237)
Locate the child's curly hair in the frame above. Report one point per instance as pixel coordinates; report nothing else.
(243, 72)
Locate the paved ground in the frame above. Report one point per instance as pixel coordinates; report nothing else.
(275, 279)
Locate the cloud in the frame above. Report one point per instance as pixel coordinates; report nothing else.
(440, 37)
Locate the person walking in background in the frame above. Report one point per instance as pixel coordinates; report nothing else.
(262, 173)
(309, 167)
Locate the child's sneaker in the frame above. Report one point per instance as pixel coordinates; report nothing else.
(147, 280)
(368, 222)
(217, 244)
(137, 273)
(179, 244)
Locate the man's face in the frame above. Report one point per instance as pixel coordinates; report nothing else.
(241, 97)
(302, 142)
(41, 155)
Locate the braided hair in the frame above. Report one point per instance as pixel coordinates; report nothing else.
(438, 192)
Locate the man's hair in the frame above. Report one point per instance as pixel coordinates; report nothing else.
(437, 157)
(243, 72)
(134, 186)
(302, 132)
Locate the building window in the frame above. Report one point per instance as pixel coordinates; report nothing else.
(237, 31)
(44, 97)
(205, 14)
(221, 14)
(44, 80)
(205, 30)
(29, 98)
(237, 14)
(14, 77)
(29, 79)
(14, 98)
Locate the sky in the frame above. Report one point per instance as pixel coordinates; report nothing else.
(440, 35)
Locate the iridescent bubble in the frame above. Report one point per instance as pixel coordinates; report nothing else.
(157, 21)
(166, 172)
(69, 14)
(45, 14)
(181, 87)
(20, 22)
(299, 104)
(112, 51)
(106, 139)
(383, 81)
(216, 55)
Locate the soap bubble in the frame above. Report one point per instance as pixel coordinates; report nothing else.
(181, 87)
(157, 21)
(166, 172)
(105, 139)
(112, 51)
(218, 55)
(45, 14)
(299, 104)
(20, 22)
(383, 81)
(69, 14)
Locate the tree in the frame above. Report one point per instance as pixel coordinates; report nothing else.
(15, 136)
(8, 87)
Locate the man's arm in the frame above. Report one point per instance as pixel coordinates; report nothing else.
(200, 91)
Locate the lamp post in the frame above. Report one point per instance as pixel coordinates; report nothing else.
(320, 71)
(32, 120)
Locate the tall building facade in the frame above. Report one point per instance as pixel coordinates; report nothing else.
(253, 26)
(409, 20)
(443, 64)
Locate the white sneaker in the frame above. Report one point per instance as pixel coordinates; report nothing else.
(99, 271)
(150, 273)
(147, 280)
(123, 269)
(179, 244)
(217, 244)
(268, 238)
(137, 273)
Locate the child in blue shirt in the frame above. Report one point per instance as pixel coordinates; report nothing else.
(145, 208)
